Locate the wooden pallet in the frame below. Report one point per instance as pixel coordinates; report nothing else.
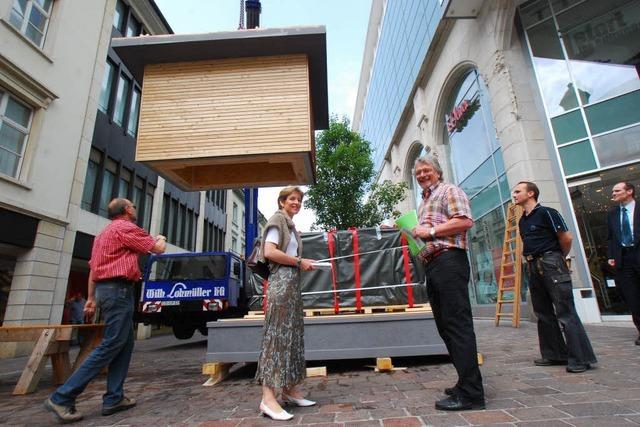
(313, 312)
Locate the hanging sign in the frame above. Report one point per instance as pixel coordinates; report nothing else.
(460, 115)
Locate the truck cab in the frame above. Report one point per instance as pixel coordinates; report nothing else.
(187, 290)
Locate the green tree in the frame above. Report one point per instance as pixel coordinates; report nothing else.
(344, 195)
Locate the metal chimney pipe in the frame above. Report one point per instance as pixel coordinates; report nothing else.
(253, 9)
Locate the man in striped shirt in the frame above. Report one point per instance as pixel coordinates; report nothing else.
(445, 217)
(113, 272)
(546, 241)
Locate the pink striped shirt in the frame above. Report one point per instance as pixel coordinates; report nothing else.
(445, 201)
(116, 249)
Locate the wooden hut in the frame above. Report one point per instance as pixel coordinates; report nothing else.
(230, 109)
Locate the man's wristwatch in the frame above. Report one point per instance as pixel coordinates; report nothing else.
(432, 232)
(298, 262)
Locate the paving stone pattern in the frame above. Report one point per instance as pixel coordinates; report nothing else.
(165, 377)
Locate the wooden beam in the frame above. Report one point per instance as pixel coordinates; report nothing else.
(35, 366)
(217, 372)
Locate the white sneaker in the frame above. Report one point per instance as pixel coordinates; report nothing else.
(296, 401)
(278, 416)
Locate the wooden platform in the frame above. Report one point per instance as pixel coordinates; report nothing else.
(52, 341)
(312, 312)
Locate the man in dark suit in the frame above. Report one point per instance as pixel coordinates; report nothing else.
(623, 223)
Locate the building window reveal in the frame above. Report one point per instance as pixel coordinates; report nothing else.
(15, 123)
(121, 99)
(31, 18)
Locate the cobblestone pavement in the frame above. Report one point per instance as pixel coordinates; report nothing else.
(166, 379)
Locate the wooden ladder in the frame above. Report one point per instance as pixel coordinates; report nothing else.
(510, 280)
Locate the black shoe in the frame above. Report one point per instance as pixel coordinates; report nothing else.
(450, 391)
(638, 341)
(549, 362)
(124, 404)
(576, 369)
(459, 403)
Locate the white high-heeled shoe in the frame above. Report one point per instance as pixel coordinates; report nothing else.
(296, 401)
(278, 416)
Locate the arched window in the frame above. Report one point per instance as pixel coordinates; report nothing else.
(478, 168)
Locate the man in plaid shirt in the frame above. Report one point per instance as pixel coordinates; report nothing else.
(113, 272)
(445, 217)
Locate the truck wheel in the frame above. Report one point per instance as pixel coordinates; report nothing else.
(183, 332)
(204, 330)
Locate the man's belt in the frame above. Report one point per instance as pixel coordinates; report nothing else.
(534, 257)
(121, 280)
(430, 257)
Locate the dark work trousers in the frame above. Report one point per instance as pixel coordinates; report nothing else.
(447, 287)
(552, 299)
(628, 281)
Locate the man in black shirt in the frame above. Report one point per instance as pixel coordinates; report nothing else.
(546, 241)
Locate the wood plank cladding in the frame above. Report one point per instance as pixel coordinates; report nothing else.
(227, 108)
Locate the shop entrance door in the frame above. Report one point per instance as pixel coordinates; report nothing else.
(591, 198)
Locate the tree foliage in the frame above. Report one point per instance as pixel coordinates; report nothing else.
(344, 195)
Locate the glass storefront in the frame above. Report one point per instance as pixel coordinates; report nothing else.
(591, 198)
(478, 168)
(586, 56)
(586, 59)
(7, 265)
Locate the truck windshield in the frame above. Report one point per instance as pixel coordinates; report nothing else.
(189, 268)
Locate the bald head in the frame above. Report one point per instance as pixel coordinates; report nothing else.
(121, 207)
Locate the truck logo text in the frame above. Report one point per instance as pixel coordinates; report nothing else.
(180, 290)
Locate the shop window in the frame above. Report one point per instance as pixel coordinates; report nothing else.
(485, 241)
(551, 68)
(148, 206)
(505, 191)
(568, 127)
(31, 18)
(119, 16)
(180, 226)
(235, 213)
(601, 41)
(469, 137)
(166, 215)
(15, 124)
(133, 27)
(107, 84)
(124, 184)
(479, 179)
(577, 158)
(134, 111)
(93, 166)
(614, 113)
(486, 200)
(7, 266)
(618, 147)
(121, 99)
(108, 182)
(499, 161)
(534, 12)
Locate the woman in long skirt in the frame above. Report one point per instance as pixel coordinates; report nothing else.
(281, 364)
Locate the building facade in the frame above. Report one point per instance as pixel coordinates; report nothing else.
(504, 91)
(69, 111)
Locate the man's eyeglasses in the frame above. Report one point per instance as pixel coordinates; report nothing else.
(132, 206)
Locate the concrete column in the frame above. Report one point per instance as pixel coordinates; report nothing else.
(39, 284)
(200, 224)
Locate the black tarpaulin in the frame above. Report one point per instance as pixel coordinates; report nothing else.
(381, 262)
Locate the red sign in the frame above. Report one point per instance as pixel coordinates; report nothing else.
(456, 115)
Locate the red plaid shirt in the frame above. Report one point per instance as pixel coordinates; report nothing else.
(445, 201)
(116, 249)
